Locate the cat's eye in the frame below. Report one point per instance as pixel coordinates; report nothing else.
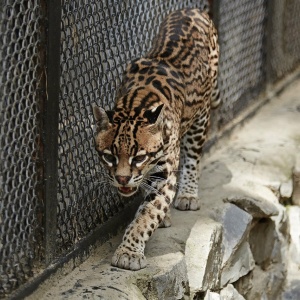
(140, 158)
(109, 158)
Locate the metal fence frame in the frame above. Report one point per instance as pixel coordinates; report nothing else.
(274, 68)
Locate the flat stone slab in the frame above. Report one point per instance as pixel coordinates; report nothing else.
(257, 208)
(296, 180)
(170, 283)
(212, 296)
(230, 293)
(286, 190)
(236, 225)
(239, 265)
(294, 219)
(204, 254)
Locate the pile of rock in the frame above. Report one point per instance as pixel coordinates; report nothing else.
(245, 256)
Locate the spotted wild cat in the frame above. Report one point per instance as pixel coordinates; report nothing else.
(163, 103)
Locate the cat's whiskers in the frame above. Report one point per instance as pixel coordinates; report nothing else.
(101, 181)
(147, 186)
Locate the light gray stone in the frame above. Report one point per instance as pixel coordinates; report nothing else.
(204, 255)
(262, 284)
(169, 283)
(274, 186)
(244, 284)
(240, 264)
(236, 225)
(282, 237)
(230, 293)
(212, 296)
(292, 291)
(257, 208)
(286, 190)
(294, 218)
(258, 282)
(296, 181)
(276, 280)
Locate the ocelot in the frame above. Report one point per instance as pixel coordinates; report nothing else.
(160, 119)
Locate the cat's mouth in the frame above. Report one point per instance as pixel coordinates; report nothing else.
(127, 190)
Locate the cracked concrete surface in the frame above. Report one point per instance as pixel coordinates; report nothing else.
(252, 165)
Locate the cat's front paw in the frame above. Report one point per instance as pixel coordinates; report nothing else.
(187, 202)
(127, 259)
(165, 223)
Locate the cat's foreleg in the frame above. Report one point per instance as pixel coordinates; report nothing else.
(130, 254)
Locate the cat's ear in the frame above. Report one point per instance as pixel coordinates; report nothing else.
(103, 118)
(154, 115)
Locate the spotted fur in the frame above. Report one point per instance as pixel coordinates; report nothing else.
(164, 101)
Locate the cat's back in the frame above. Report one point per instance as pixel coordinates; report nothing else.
(183, 36)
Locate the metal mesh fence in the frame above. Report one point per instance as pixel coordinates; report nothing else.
(241, 28)
(21, 67)
(284, 42)
(98, 39)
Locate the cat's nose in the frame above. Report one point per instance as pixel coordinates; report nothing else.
(123, 179)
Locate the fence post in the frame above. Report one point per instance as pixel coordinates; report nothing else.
(50, 121)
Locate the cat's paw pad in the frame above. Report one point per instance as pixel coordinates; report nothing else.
(130, 260)
(186, 202)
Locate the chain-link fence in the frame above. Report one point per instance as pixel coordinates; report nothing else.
(284, 40)
(241, 28)
(22, 60)
(97, 40)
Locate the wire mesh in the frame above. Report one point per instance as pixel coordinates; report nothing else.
(98, 39)
(284, 44)
(21, 66)
(241, 28)
(291, 34)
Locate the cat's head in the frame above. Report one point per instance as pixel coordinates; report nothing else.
(129, 145)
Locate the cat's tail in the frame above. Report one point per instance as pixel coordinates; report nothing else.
(215, 100)
(214, 65)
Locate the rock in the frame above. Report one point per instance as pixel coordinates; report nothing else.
(244, 284)
(230, 293)
(274, 186)
(236, 225)
(279, 252)
(294, 218)
(286, 191)
(292, 291)
(212, 296)
(204, 255)
(276, 280)
(257, 208)
(105, 282)
(170, 283)
(261, 239)
(240, 264)
(281, 243)
(296, 182)
(292, 285)
(259, 283)
(281, 221)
